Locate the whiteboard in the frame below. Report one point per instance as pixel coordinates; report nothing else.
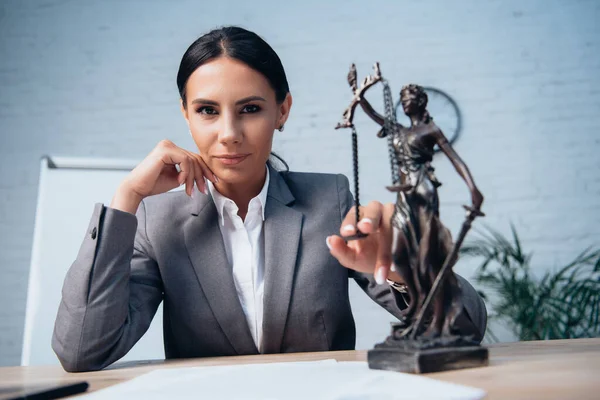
(68, 190)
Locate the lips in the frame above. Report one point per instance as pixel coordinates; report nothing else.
(231, 159)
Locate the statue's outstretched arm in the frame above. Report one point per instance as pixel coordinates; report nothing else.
(461, 168)
(370, 111)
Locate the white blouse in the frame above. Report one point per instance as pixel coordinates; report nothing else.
(245, 247)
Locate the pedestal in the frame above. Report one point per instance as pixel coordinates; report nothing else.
(430, 360)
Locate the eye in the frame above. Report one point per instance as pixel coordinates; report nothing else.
(250, 109)
(206, 110)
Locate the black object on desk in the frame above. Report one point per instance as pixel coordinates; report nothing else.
(42, 392)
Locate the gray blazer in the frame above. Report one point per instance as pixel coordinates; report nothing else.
(172, 251)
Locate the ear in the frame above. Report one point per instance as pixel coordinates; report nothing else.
(184, 111)
(284, 110)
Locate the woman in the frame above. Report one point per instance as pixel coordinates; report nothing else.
(421, 243)
(241, 264)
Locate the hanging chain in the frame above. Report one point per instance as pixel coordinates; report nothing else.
(390, 127)
(355, 168)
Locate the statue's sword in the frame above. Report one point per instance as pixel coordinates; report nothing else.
(472, 213)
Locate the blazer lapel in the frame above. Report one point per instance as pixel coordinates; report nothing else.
(206, 250)
(282, 230)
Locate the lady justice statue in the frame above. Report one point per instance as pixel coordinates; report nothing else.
(423, 252)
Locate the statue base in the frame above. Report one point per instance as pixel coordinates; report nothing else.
(423, 355)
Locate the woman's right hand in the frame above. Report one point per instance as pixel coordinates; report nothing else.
(158, 173)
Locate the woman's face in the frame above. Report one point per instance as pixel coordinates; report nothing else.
(232, 113)
(409, 102)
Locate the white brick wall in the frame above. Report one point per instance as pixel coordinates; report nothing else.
(98, 79)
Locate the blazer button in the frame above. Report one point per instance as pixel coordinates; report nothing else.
(94, 233)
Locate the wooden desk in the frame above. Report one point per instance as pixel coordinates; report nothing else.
(559, 369)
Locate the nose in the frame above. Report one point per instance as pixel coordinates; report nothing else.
(230, 131)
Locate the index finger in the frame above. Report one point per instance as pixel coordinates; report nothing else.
(206, 171)
(370, 219)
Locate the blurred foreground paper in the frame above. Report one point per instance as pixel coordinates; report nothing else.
(301, 380)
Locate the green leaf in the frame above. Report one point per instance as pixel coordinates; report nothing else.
(560, 304)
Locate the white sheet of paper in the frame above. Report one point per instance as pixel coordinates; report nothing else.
(326, 380)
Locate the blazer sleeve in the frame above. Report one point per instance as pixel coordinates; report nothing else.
(110, 293)
(472, 321)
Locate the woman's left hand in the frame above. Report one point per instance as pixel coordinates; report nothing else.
(372, 254)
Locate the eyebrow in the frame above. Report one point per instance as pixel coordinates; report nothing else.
(241, 101)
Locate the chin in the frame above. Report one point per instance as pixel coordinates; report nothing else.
(231, 175)
(235, 175)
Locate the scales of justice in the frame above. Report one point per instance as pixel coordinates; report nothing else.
(427, 338)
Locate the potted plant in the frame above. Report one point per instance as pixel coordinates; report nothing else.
(560, 304)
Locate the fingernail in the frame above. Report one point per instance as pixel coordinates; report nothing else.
(216, 178)
(348, 228)
(327, 243)
(192, 195)
(393, 268)
(205, 190)
(379, 275)
(367, 221)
